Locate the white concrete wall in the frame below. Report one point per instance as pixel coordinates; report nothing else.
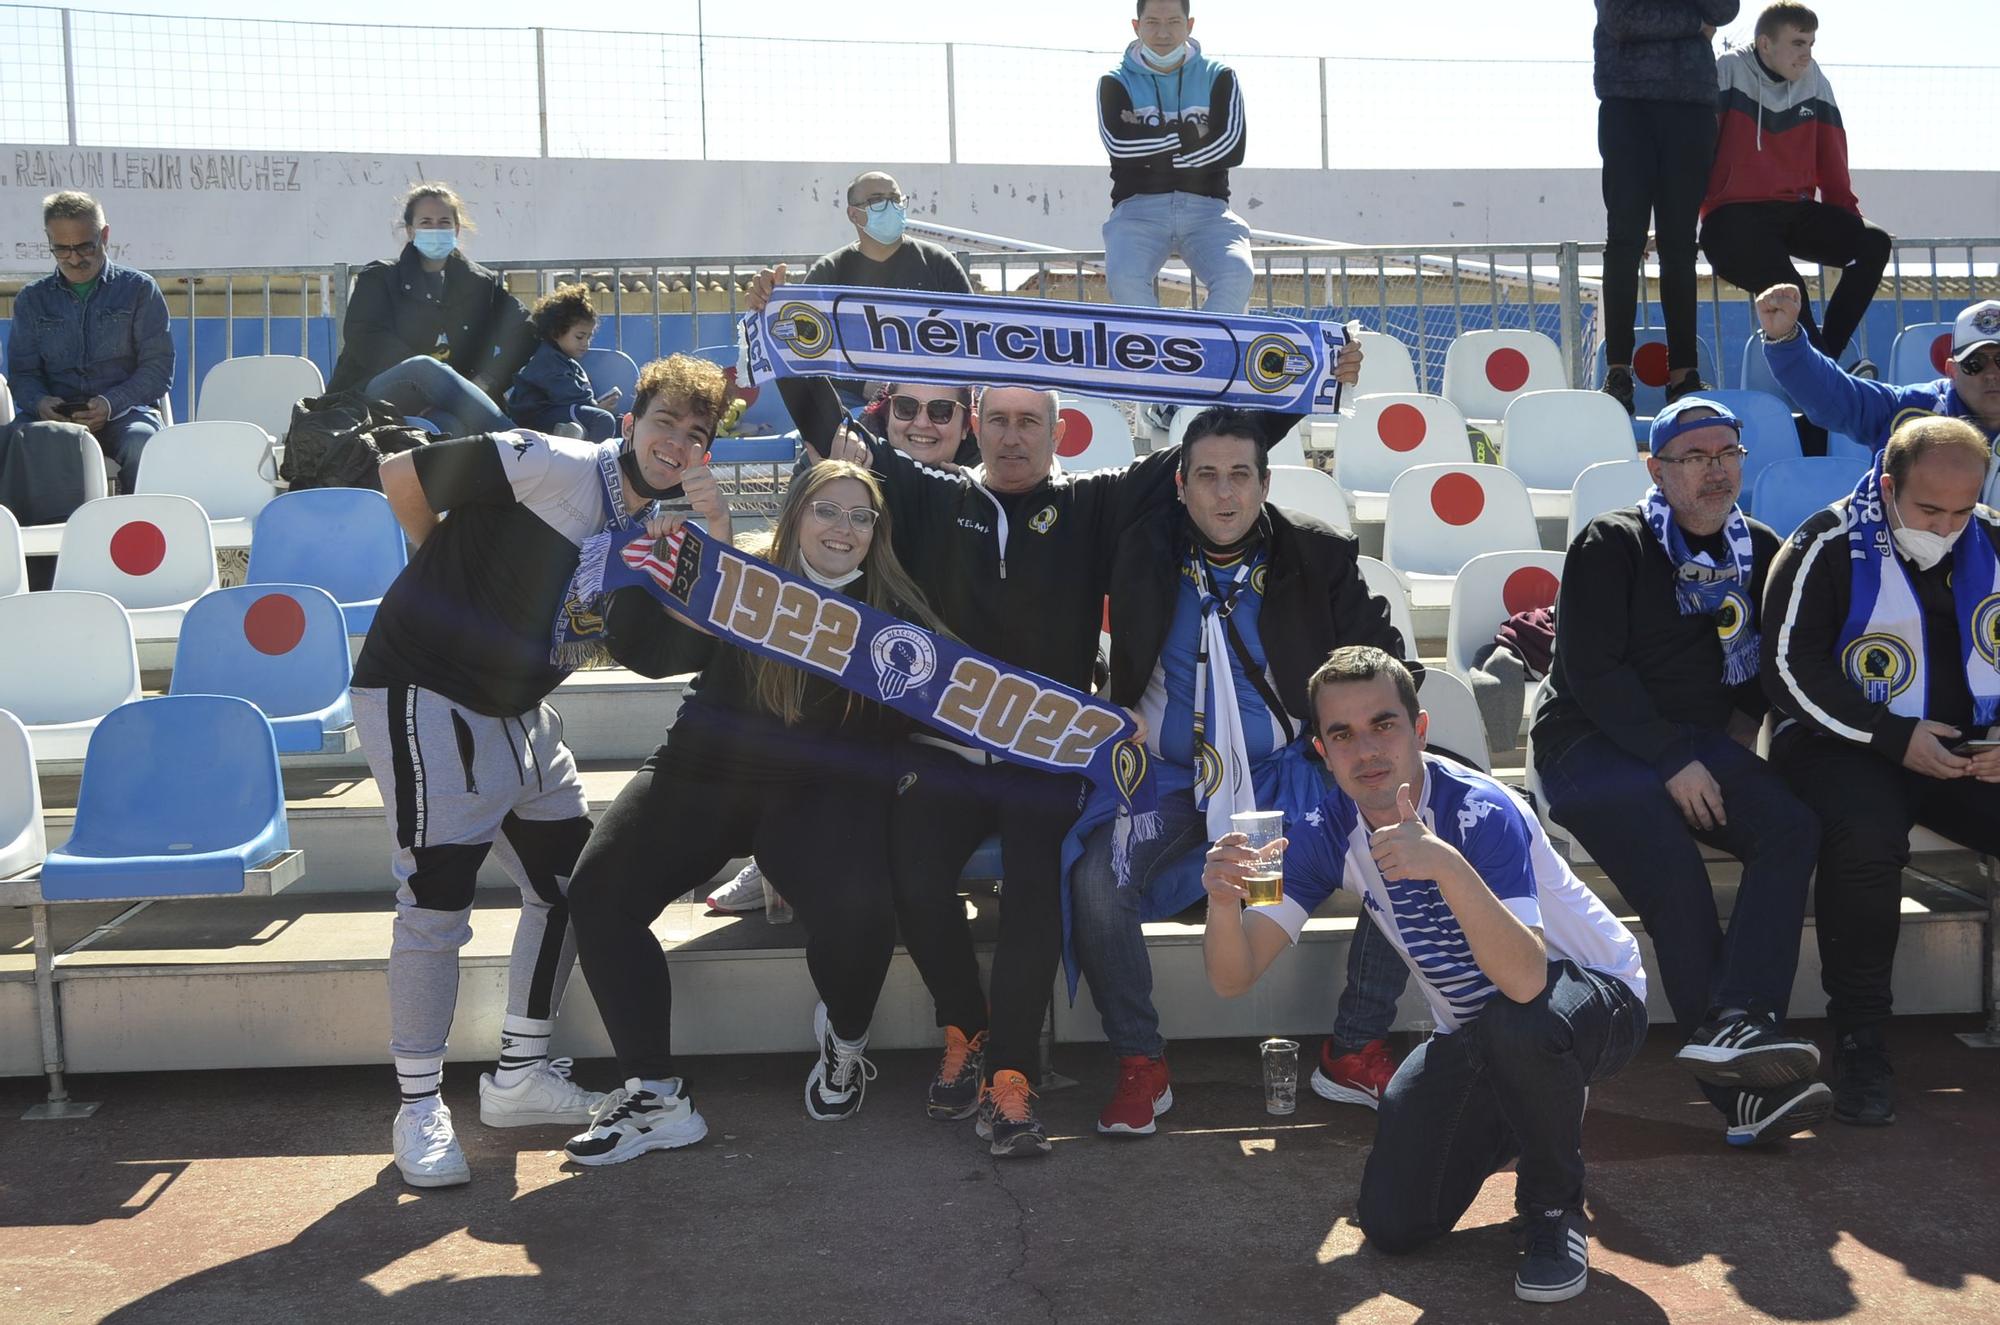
(188, 209)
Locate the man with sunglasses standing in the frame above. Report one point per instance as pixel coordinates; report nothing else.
(89, 347)
(1869, 411)
(1642, 744)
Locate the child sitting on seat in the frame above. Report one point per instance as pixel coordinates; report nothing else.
(552, 393)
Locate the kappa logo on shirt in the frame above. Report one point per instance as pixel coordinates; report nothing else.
(521, 447)
(1471, 812)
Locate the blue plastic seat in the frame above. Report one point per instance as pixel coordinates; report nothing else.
(1756, 374)
(1649, 368)
(1789, 491)
(1917, 358)
(754, 450)
(612, 368)
(1768, 431)
(985, 861)
(343, 540)
(283, 647)
(180, 796)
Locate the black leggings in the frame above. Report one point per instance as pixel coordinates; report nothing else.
(1751, 245)
(944, 808)
(821, 838)
(1656, 160)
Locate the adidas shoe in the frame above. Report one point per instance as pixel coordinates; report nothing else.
(1759, 1116)
(1555, 1260)
(545, 1097)
(840, 1078)
(954, 1091)
(1864, 1084)
(1356, 1078)
(1748, 1050)
(1007, 1117)
(426, 1147)
(643, 1120)
(745, 892)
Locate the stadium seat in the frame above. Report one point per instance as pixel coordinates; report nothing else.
(1768, 431)
(22, 840)
(69, 660)
(1649, 368)
(1840, 444)
(283, 647)
(1485, 370)
(1311, 491)
(1096, 435)
(1553, 436)
(295, 531)
(1455, 723)
(1791, 490)
(227, 466)
(1532, 784)
(45, 540)
(150, 551)
(6, 402)
(1920, 354)
(1605, 487)
(1442, 516)
(1490, 588)
(13, 563)
(609, 368)
(1389, 434)
(1757, 376)
(984, 863)
(1386, 368)
(180, 796)
(259, 389)
(1386, 584)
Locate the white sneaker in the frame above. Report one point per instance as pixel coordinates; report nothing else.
(643, 1120)
(839, 1079)
(544, 1097)
(427, 1152)
(745, 892)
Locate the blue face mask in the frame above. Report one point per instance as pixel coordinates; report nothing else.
(885, 221)
(435, 244)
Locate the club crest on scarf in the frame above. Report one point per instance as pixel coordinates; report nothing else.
(1704, 588)
(1881, 665)
(903, 657)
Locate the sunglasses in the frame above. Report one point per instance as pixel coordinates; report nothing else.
(1972, 365)
(832, 512)
(940, 412)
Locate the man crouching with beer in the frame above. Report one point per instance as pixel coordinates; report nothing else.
(1536, 989)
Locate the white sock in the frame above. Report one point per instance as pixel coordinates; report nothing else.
(524, 1043)
(418, 1079)
(668, 1089)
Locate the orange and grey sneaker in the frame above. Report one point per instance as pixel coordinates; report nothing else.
(1144, 1092)
(1007, 1119)
(954, 1090)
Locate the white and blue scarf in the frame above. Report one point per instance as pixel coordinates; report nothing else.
(579, 630)
(1702, 588)
(1882, 641)
(1187, 357)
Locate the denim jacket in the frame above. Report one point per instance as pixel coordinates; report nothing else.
(116, 346)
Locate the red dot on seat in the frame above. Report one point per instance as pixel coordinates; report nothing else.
(1077, 433)
(1458, 499)
(275, 624)
(1527, 589)
(1507, 369)
(138, 548)
(1401, 427)
(1649, 363)
(1941, 352)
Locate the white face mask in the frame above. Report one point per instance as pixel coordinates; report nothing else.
(1167, 61)
(1923, 547)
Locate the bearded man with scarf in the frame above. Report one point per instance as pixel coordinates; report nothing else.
(1886, 616)
(1641, 741)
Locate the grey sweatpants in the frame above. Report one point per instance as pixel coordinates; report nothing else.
(455, 785)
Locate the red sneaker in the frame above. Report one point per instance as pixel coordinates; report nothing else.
(1143, 1094)
(1356, 1078)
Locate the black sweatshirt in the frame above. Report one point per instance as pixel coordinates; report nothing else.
(1627, 663)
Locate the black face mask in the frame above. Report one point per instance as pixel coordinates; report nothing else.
(628, 460)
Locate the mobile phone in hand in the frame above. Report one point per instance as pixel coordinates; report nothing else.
(69, 409)
(1966, 749)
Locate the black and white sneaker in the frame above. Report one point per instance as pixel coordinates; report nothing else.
(1748, 1050)
(1759, 1116)
(840, 1078)
(1555, 1257)
(640, 1121)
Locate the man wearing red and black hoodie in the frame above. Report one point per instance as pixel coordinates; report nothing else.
(1779, 189)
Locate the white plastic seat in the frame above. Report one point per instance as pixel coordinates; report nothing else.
(69, 661)
(256, 388)
(1455, 723)
(1096, 435)
(1389, 434)
(1532, 783)
(13, 563)
(1606, 487)
(1553, 436)
(45, 540)
(1384, 583)
(23, 842)
(1311, 491)
(1484, 371)
(149, 551)
(6, 402)
(227, 466)
(1442, 516)
(1386, 366)
(1490, 588)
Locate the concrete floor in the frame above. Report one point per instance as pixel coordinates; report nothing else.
(267, 1196)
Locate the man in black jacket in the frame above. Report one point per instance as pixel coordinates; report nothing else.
(1639, 742)
(1219, 608)
(1882, 659)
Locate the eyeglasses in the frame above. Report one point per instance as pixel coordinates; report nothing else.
(832, 512)
(1727, 458)
(940, 412)
(875, 200)
(61, 251)
(1972, 365)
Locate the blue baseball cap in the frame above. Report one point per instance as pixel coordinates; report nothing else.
(1672, 421)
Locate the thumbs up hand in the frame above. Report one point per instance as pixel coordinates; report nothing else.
(1408, 849)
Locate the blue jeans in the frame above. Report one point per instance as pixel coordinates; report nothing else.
(432, 389)
(1166, 879)
(1511, 1084)
(124, 440)
(1148, 228)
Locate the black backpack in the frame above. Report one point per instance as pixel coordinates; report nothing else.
(339, 440)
